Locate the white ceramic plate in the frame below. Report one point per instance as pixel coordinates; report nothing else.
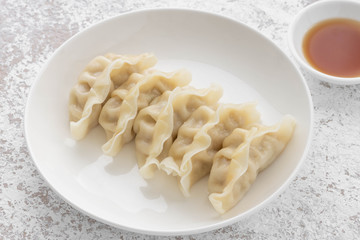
(214, 49)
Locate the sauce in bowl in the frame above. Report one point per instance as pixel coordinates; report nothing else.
(333, 47)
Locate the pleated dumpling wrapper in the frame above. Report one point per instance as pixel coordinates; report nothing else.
(201, 136)
(118, 114)
(244, 154)
(156, 126)
(100, 77)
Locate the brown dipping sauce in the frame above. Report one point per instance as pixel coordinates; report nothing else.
(333, 47)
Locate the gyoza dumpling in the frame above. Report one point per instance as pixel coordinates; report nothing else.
(192, 138)
(99, 78)
(244, 155)
(156, 126)
(118, 113)
(200, 137)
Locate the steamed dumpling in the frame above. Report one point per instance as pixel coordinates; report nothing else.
(179, 129)
(244, 154)
(118, 114)
(99, 78)
(192, 138)
(156, 126)
(201, 136)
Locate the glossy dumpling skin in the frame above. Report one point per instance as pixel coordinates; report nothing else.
(118, 114)
(95, 83)
(201, 136)
(192, 138)
(244, 154)
(156, 126)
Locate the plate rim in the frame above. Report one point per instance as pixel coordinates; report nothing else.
(192, 230)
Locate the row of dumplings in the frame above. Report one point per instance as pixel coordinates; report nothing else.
(181, 130)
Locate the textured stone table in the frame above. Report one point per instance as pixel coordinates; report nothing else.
(322, 202)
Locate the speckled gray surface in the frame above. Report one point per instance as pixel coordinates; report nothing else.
(322, 202)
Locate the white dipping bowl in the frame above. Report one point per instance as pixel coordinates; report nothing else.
(310, 16)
